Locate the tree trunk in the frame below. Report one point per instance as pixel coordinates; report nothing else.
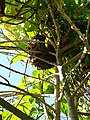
(57, 101)
(72, 109)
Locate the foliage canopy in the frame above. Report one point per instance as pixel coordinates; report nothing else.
(54, 36)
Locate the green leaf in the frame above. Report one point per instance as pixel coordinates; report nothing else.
(88, 52)
(26, 25)
(37, 73)
(50, 90)
(21, 45)
(26, 37)
(18, 57)
(87, 60)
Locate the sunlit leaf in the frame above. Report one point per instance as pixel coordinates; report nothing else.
(18, 57)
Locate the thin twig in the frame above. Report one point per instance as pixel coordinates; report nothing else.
(16, 71)
(31, 94)
(4, 79)
(84, 81)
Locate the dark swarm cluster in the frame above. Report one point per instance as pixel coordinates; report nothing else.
(40, 54)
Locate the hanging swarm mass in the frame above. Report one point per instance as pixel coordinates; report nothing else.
(40, 55)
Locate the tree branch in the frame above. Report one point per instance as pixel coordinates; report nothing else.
(73, 26)
(31, 94)
(14, 110)
(72, 109)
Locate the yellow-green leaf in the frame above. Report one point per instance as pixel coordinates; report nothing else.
(18, 57)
